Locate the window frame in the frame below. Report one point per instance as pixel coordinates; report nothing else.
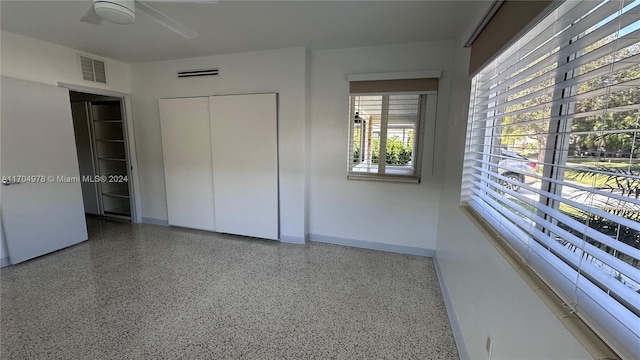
(426, 124)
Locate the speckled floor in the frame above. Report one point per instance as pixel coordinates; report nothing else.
(152, 292)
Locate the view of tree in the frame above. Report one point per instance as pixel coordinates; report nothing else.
(530, 121)
(610, 130)
(623, 121)
(606, 120)
(527, 129)
(398, 152)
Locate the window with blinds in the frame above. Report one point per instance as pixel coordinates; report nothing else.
(384, 131)
(553, 159)
(387, 115)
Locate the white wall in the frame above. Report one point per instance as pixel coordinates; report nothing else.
(30, 59)
(389, 213)
(488, 296)
(282, 71)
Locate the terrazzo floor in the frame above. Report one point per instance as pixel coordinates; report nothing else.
(153, 292)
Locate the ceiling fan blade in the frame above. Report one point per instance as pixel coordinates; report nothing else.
(166, 21)
(187, 1)
(91, 17)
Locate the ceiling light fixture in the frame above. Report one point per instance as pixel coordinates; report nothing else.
(116, 11)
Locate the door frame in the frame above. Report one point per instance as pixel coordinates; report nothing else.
(134, 183)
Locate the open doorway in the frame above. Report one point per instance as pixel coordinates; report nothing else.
(103, 154)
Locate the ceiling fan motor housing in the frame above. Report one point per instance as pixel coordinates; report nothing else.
(116, 11)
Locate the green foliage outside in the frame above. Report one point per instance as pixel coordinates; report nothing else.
(397, 152)
(621, 181)
(356, 154)
(529, 118)
(605, 226)
(618, 142)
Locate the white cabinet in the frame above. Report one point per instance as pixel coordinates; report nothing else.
(221, 163)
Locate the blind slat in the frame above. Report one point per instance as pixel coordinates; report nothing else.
(608, 283)
(587, 209)
(621, 64)
(604, 282)
(580, 59)
(538, 37)
(564, 42)
(622, 247)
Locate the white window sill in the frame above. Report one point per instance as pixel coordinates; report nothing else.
(411, 179)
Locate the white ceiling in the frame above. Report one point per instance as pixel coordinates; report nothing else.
(239, 26)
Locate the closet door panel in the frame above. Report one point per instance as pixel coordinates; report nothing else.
(245, 164)
(229, 182)
(186, 146)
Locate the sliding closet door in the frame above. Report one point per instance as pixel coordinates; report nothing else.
(245, 164)
(186, 147)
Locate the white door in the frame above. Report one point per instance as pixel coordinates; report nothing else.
(186, 149)
(41, 211)
(244, 132)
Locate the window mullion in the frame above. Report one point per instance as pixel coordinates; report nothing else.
(352, 129)
(384, 122)
(555, 143)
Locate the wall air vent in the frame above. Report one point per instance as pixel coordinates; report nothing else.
(92, 69)
(197, 73)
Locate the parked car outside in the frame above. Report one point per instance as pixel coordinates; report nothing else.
(517, 168)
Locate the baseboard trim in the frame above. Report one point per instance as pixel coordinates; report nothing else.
(154, 221)
(453, 319)
(4, 261)
(293, 239)
(401, 249)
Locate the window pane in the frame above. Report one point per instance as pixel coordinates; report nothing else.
(402, 124)
(392, 120)
(365, 138)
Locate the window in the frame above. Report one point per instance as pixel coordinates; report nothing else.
(384, 132)
(389, 113)
(553, 159)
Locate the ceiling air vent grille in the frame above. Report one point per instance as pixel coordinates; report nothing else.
(197, 73)
(92, 69)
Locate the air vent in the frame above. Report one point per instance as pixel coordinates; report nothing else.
(92, 69)
(197, 73)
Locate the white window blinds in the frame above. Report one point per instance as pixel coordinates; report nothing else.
(384, 136)
(553, 159)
